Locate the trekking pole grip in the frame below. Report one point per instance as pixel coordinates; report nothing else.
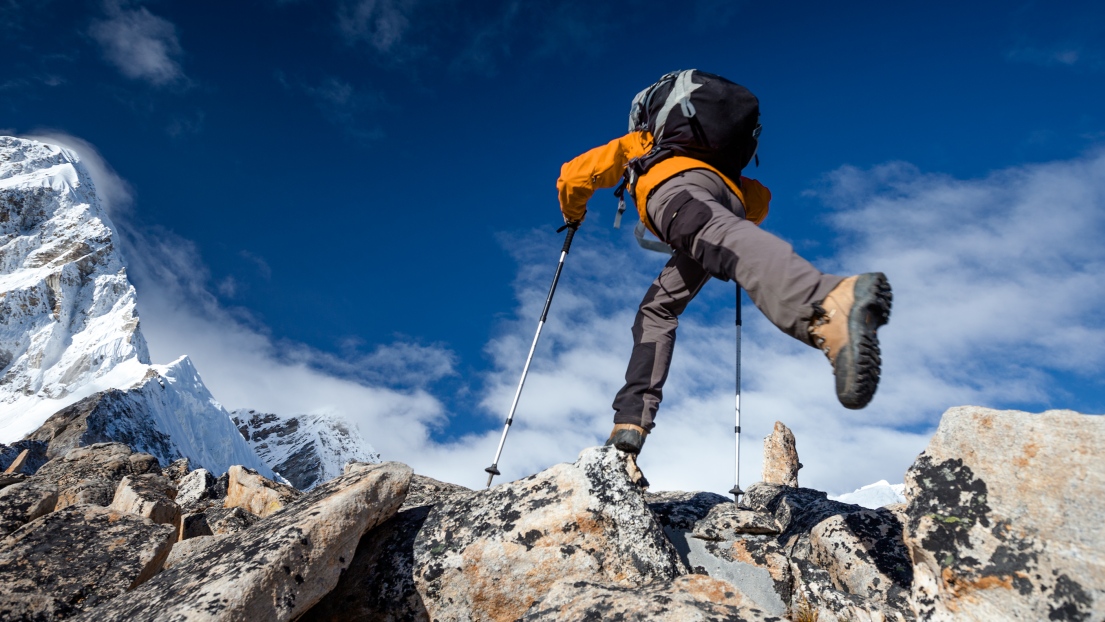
(571, 227)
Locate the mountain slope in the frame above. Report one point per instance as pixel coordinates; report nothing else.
(69, 327)
(304, 449)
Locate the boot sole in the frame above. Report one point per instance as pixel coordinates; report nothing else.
(858, 365)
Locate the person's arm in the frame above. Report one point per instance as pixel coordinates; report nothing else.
(601, 167)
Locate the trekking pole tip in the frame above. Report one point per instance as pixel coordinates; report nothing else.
(491, 471)
(737, 493)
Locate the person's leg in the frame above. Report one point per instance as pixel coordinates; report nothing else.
(698, 215)
(653, 340)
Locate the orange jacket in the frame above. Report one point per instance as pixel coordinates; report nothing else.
(602, 167)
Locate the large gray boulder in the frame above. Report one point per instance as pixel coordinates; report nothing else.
(278, 568)
(490, 555)
(77, 558)
(1005, 517)
(23, 502)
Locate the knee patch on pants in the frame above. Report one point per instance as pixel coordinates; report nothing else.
(683, 218)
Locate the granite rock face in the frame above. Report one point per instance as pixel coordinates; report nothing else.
(491, 555)
(77, 558)
(278, 568)
(1005, 517)
(781, 457)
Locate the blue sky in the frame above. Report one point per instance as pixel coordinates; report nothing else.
(349, 206)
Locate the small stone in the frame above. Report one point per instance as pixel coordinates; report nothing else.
(727, 521)
(781, 457)
(149, 495)
(197, 486)
(261, 496)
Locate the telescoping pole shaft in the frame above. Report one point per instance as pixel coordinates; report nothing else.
(736, 490)
(493, 470)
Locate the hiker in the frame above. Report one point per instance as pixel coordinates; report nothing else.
(690, 136)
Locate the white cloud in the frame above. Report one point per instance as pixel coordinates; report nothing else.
(140, 44)
(997, 298)
(997, 293)
(115, 192)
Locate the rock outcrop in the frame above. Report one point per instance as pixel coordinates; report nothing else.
(1005, 517)
(781, 457)
(491, 555)
(977, 541)
(276, 572)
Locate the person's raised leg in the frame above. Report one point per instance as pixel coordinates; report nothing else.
(697, 214)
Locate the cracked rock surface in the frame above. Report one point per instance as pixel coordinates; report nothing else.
(1005, 517)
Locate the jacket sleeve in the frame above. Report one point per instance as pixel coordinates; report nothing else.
(601, 167)
(757, 199)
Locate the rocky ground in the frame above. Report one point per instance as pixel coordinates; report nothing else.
(1002, 522)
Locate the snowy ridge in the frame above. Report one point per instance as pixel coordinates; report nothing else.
(69, 326)
(304, 449)
(67, 311)
(874, 496)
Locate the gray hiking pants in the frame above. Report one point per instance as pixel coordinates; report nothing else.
(701, 218)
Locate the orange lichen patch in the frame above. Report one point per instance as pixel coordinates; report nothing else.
(712, 590)
(961, 586)
(1030, 451)
(741, 554)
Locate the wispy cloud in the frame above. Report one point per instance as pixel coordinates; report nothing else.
(380, 23)
(262, 266)
(116, 193)
(997, 294)
(997, 303)
(141, 45)
(341, 103)
(1075, 56)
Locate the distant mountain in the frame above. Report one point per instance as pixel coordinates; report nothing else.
(304, 449)
(69, 328)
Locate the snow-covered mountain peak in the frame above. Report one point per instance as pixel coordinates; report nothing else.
(69, 330)
(305, 449)
(68, 318)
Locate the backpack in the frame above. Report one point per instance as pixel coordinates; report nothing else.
(698, 115)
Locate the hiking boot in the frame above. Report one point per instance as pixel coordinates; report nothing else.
(845, 328)
(627, 437)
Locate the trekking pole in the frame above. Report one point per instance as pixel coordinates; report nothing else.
(736, 490)
(493, 470)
